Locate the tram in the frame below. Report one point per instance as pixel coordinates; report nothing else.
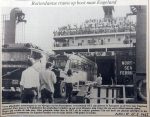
(14, 61)
(83, 69)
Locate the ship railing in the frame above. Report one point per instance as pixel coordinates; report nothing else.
(109, 94)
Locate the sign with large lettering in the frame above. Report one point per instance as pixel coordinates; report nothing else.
(125, 66)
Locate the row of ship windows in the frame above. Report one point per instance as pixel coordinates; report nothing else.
(94, 41)
(90, 41)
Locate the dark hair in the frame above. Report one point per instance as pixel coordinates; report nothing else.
(29, 63)
(99, 74)
(55, 67)
(48, 65)
(69, 72)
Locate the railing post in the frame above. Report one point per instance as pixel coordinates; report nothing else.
(99, 93)
(124, 94)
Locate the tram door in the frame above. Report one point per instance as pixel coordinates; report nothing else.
(107, 69)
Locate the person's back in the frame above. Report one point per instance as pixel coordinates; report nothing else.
(29, 84)
(69, 85)
(47, 80)
(30, 78)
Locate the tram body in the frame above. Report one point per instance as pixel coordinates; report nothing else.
(83, 71)
(14, 61)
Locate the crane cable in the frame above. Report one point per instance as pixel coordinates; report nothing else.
(9, 73)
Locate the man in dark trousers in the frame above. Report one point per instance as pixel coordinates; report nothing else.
(29, 83)
(69, 85)
(47, 80)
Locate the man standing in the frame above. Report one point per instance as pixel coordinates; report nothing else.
(69, 85)
(99, 79)
(47, 80)
(29, 84)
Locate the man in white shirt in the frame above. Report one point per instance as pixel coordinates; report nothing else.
(47, 80)
(99, 79)
(29, 83)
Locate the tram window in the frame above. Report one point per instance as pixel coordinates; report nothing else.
(61, 63)
(79, 65)
(82, 66)
(85, 67)
(92, 70)
(74, 65)
(89, 68)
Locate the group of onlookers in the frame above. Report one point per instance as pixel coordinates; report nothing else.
(40, 85)
(98, 26)
(36, 84)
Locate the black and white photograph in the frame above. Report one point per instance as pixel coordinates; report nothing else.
(74, 55)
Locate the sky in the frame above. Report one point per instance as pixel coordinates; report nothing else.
(42, 21)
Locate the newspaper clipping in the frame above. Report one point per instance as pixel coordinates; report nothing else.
(75, 58)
